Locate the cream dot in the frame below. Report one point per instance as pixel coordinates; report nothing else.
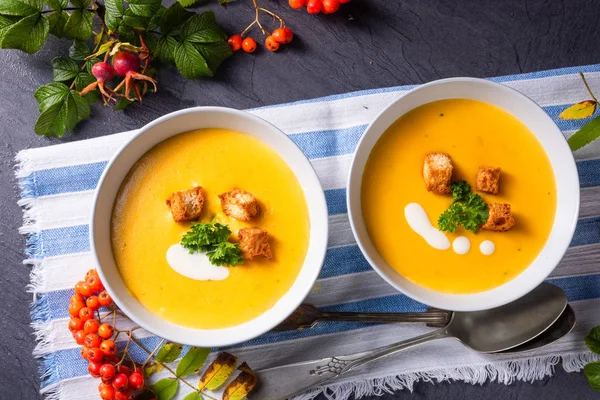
(487, 247)
(461, 245)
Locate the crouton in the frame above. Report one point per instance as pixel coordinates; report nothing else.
(437, 172)
(186, 205)
(488, 179)
(500, 218)
(254, 242)
(239, 204)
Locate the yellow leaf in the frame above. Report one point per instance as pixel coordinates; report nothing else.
(581, 110)
(217, 372)
(243, 384)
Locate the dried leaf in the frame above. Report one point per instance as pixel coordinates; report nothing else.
(580, 110)
(169, 352)
(217, 372)
(152, 368)
(243, 384)
(192, 361)
(586, 135)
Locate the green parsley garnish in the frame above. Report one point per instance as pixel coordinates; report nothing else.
(226, 253)
(468, 209)
(212, 239)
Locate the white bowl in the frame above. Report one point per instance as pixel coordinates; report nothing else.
(171, 125)
(563, 165)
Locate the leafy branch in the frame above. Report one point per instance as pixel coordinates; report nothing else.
(584, 109)
(141, 29)
(123, 377)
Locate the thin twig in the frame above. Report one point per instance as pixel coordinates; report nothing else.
(281, 21)
(248, 28)
(588, 87)
(126, 350)
(153, 352)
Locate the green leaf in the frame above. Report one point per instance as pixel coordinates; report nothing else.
(592, 340)
(200, 22)
(57, 4)
(5, 23)
(206, 36)
(592, 373)
(188, 3)
(82, 80)
(132, 20)
(584, 109)
(193, 396)
(169, 352)
(166, 388)
(139, 12)
(190, 62)
(192, 362)
(214, 53)
(165, 49)
(80, 3)
(20, 7)
(58, 20)
(121, 104)
(144, 10)
(586, 135)
(79, 50)
(82, 107)
(173, 18)
(114, 7)
(79, 26)
(154, 23)
(114, 14)
(58, 117)
(64, 69)
(28, 34)
(50, 94)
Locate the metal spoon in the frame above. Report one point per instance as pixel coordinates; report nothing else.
(489, 331)
(563, 325)
(307, 316)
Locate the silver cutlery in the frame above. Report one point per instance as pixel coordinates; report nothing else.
(490, 331)
(307, 316)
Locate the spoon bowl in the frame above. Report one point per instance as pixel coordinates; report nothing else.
(503, 328)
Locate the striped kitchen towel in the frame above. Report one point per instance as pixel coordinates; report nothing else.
(57, 185)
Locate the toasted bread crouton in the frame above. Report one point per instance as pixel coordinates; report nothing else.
(500, 218)
(437, 172)
(488, 179)
(239, 204)
(254, 242)
(186, 205)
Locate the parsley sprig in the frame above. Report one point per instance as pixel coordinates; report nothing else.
(468, 210)
(211, 239)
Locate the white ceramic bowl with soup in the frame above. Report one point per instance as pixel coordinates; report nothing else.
(477, 123)
(132, 227)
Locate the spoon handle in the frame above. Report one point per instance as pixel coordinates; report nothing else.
(275, 383)
(307, 316)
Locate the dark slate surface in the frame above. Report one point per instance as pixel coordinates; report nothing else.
(369, 44)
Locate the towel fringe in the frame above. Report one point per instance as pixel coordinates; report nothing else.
(527, 370)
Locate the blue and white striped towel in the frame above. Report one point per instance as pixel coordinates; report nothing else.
(57, 185)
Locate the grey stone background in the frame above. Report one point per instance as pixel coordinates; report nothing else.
(367, 44)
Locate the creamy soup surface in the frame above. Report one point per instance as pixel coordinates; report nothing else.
(143, 229)
(473, 133)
